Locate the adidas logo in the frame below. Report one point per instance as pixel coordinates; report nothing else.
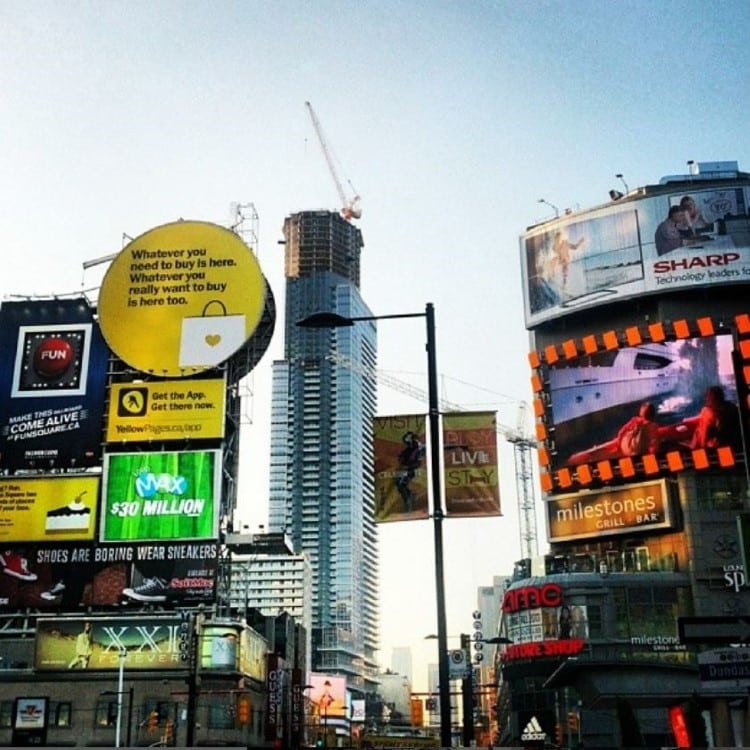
(533, 731)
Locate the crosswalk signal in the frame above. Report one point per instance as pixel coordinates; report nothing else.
(573, 721)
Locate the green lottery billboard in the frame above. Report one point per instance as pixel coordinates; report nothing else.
(160, 496)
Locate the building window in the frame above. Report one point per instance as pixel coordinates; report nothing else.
(594, 615)
(6, 714)
(648, 611)
(106, 713)
(220, 714)
(59, 714)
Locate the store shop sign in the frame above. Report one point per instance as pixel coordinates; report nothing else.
(543, 649)
(658, 642)
(734, 577)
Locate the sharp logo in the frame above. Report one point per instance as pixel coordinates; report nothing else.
(533, 731)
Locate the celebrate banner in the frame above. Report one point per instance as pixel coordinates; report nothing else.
(400, 468)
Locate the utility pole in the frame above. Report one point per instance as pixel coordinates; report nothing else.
(467, 694)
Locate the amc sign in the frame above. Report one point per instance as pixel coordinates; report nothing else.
(532, 597)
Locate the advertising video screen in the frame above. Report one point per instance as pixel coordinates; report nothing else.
(69, 576)
(635, 247)
(652, 398)
(582, 261)
(161, 496)
(53, 364)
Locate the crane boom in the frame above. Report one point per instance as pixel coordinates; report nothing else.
(349, 207)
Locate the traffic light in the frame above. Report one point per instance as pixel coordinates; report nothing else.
(416, 712)
(679, 726)
(558, 734)
(320, 742)
(688, 725)
(244, 706)
(573, 721)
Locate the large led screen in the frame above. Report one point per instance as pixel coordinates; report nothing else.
(635, 247)
(65, 576)
(53, 365)
(652, 398)
(160, 496)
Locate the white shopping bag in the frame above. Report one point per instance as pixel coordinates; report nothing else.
(209, 339)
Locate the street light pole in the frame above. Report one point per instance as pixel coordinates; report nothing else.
(120, 679)
(437, 517)
(333, 320)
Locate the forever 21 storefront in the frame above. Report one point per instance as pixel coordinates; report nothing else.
(643, 533)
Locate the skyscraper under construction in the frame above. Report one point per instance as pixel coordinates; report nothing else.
(321, 476)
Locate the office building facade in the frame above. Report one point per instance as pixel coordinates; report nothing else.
(321, 481)
(644, 534)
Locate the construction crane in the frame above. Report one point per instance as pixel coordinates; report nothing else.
(349, 206)
(517, 436)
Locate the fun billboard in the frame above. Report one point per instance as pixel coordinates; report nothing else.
(53, 363)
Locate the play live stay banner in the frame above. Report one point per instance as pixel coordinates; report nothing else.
(470, 464)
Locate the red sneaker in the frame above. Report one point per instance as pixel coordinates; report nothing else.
(16, 566)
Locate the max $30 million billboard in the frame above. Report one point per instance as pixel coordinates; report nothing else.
(166, 495)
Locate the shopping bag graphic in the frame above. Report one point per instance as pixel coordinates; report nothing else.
(210, 338)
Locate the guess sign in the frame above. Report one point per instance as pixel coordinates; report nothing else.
(532, 597)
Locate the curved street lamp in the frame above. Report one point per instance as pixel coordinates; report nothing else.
(334, 320)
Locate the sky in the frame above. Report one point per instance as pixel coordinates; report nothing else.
(451, 119)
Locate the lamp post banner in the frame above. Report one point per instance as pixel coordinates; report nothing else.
(400, 473)
(470, 464)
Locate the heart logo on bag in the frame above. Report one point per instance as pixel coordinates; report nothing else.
(212, 339)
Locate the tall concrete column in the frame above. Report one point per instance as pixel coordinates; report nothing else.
(722, 723)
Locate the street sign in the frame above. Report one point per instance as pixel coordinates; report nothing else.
(725, 667)
(714, 629)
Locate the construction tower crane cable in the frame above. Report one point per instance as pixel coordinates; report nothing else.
(517, 436)
(349, 206)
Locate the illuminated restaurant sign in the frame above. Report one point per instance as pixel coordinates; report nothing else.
(621, 511)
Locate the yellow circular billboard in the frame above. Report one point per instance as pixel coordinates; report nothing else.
(181, 298)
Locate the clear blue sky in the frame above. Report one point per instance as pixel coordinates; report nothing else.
(451, 119)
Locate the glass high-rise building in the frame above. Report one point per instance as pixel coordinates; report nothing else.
(321, 473)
